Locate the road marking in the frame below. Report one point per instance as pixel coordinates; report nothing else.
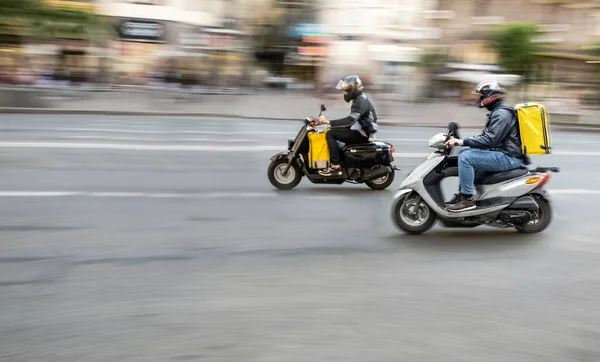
(290, 134)
(38, 193)
(402, 140)
(161, 195)
(574, 192)
(207, 148)
(112, 138)
(576, 153)
(211, 195)
(212, 140)
(109, 130)
(156, 139)
(139, 147)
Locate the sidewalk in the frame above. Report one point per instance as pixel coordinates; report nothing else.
(270, 105)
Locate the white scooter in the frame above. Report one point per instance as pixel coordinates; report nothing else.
(515, 198)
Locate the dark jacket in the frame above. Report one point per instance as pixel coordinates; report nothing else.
(362, 111)
(501, 133)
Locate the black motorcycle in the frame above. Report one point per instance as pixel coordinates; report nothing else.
(369, 163)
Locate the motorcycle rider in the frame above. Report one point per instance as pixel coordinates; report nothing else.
(353, 129)
(496, 149)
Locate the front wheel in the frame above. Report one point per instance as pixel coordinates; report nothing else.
(382, 183)
(290, 180)
(541, 218)
(412, 215)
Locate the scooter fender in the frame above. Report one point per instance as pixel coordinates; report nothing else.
(279, 156)
(402, 192)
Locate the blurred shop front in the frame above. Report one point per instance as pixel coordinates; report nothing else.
(139, 43)
(307, 52)
(212, 55)
(396, 71)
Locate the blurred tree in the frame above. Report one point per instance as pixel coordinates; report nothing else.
(515, 48)
(31, 18)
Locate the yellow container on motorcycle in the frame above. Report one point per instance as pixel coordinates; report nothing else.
(534, 127)
(318, 150)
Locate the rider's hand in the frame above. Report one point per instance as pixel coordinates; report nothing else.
(322, 120)
(450, 143)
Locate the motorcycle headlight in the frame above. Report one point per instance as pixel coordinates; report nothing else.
(438, 140)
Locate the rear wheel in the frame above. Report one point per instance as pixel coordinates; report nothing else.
(541, 218)
(412, 215)
(290, 180)
(381, 183)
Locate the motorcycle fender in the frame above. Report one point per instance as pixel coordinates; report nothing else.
(543, 193)
(279, 156)
(402, 192)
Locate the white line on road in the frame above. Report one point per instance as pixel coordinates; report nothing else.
(156, 139)
(574, 192)
(138, 147)
(402, 140)
(111, 138)
(109, 130)
(162, 195)
(210, 148)
(212, 195)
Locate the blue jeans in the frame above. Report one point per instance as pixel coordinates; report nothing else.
(470, 159)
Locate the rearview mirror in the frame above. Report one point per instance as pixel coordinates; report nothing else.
(452, 126)
(323, 108)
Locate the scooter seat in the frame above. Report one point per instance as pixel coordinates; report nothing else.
(490, 178)
(356, 145)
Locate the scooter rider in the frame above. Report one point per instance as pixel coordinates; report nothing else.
(496, 149)
(353, 129)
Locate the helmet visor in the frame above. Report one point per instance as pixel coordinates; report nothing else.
(341, 85)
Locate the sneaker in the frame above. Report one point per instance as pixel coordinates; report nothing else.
(329, 171)
(453, 200)
(462, 204)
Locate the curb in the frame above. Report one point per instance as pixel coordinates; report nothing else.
(17, 110)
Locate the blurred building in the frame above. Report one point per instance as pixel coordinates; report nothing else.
(180, 41)
(567, 29)
(380, 40)
(54, 45)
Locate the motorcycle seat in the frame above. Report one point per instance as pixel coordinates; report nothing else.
(490, 178)
(342, 146)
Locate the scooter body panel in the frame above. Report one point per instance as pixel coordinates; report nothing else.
(491, 199)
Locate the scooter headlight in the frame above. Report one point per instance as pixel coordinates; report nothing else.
(438, 141)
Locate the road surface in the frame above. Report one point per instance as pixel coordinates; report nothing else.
(156, 239)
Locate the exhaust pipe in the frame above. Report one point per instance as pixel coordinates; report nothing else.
(377, 173)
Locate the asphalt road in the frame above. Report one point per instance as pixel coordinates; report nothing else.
(154, 239)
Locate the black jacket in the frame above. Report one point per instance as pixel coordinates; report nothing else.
(363, 112)
(501, 133)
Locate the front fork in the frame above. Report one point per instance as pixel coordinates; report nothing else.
(291, 158)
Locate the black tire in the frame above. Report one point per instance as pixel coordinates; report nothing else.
(382, 184)
(400, 219)
(544, 217)
(293, 177)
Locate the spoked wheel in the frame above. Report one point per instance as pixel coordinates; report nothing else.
(284, 182)
(381, 183)
(412, 215)
(541, 218)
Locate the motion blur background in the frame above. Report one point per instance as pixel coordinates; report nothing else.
(137, 222)
(405, 51)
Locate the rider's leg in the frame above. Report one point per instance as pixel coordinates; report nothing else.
(457, 196)
(484, 161)
(345, 135)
